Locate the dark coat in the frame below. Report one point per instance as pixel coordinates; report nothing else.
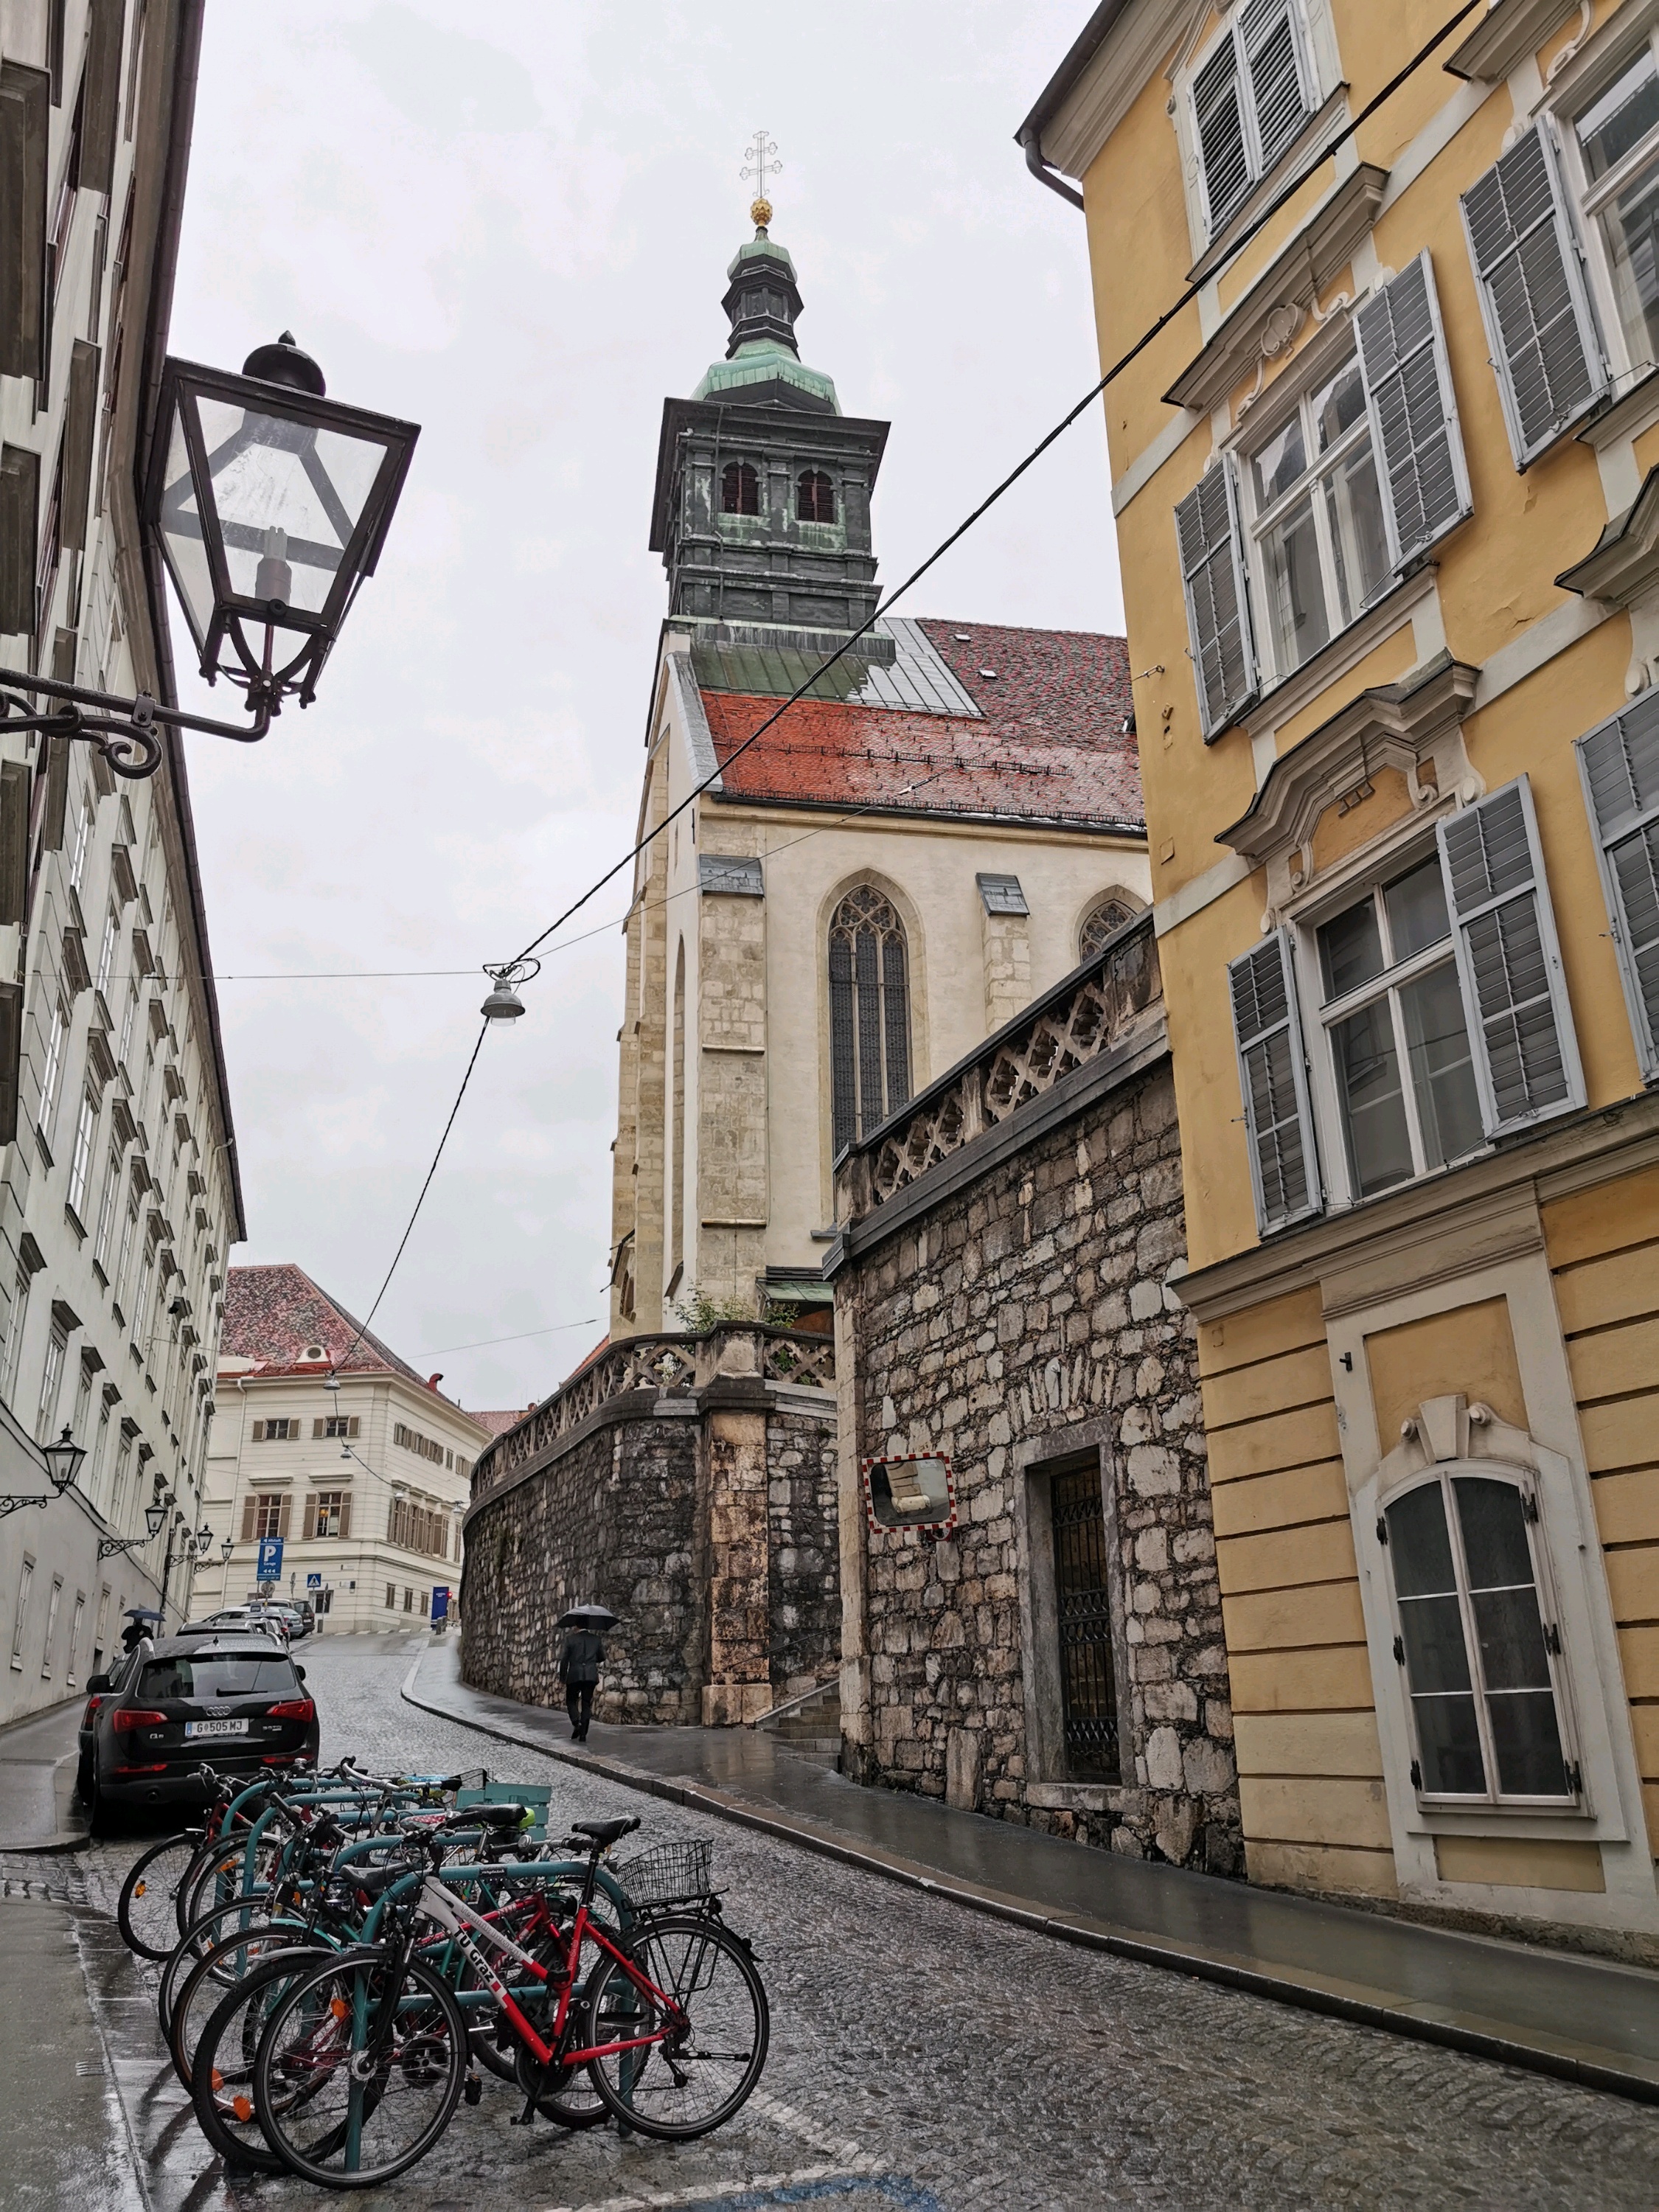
(581, 1658)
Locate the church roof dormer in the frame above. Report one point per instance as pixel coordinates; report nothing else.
(762, 361)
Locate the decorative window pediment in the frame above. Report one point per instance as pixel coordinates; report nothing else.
(1413, 727)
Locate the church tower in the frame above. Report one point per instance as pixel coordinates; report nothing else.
(761, 510)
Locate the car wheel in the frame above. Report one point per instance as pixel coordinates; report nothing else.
(83, 1783)
(105, 1821)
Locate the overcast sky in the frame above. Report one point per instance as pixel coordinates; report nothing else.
(511, 225)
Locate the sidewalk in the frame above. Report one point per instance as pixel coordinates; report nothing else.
(1584, 2019)
(39, 1810)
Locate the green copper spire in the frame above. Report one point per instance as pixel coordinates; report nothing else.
(762, 361)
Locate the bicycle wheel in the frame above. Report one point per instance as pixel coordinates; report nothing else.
(704, 2011)
(221, 2078)
(201, 1936)
(346, 2097)
(220, 1874)
(216, 1974)
(147, 1914)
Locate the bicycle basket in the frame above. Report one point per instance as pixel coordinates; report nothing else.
(668, 1874)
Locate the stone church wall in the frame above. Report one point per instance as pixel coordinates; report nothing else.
(681, 1485)
(1018, 1316)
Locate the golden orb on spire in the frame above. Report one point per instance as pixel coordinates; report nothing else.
(761, 213)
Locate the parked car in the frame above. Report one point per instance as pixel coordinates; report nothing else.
(297, 1617)
(259, 1615)
(236, 1700)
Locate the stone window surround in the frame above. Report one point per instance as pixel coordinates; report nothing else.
(1550, 1451)
(1034, 1459)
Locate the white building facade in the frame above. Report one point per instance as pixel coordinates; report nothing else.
(329, 1445)
(118, 1194)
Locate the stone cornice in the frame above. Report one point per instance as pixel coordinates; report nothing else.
(1510, 32)
(1623, 564)
(1392, 726)
(1322, 247)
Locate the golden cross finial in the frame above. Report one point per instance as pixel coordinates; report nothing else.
(763, 162)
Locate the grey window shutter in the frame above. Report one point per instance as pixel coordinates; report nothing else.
(1278, 89)
(1515, 992)
(19, 523)
(1273, 1076)
(351, 1425)
(1619, 763)
(1402, 352)
(1218, 119)
(1544, 341)
(1217, 603)
(25, 120)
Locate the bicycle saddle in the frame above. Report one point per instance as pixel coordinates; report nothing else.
(502, 1816)
(605, 1832)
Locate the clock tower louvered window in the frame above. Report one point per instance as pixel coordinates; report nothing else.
(869, 1014)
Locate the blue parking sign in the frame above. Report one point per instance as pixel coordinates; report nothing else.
(271, 1559)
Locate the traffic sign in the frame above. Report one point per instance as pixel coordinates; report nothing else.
(315, 1581)
(269, 1567)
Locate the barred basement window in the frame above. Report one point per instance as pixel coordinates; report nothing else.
(1084, 1617)
(739, 489)
(815, 497)
(869, 1014)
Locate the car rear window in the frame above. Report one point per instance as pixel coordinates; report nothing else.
(218, 1675)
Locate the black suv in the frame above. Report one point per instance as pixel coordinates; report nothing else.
(235, 1700)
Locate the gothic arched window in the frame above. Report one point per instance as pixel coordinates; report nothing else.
(1101, 920)
(815, 497)
(740, 489)
(869, 1014)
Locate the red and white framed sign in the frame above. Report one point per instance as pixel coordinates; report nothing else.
(918, 1491)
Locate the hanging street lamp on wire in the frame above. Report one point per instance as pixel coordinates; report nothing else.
(503, 1003)
(269, 503)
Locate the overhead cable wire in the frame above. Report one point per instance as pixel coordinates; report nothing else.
(1154, 330)
(1183, 300)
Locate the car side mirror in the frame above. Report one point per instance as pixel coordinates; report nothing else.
(96, 1683)
(299, 1670)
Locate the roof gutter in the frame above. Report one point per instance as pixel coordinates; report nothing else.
(1059, 91)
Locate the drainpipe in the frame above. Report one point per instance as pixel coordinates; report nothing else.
(1030, 139)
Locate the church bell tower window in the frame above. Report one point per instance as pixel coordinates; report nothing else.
(869, 1014)
(815, 497)
(740, 489)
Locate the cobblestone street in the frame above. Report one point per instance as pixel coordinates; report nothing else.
(922, 2056)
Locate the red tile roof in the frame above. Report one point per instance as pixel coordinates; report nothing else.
(499, 1422)
(277, 1315)
(1051, 745)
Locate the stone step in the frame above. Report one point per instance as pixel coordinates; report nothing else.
(814, 1726)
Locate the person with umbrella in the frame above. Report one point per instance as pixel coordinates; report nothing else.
(138, 1620)
(581, 1660)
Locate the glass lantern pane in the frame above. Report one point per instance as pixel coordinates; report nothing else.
(182, 537)
(289, 497)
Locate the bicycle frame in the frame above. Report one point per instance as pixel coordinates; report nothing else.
(455, 1916)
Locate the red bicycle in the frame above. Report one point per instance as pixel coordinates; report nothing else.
(363, 2061)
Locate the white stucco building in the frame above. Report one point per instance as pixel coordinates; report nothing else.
(118, 1195)
(362, 1485)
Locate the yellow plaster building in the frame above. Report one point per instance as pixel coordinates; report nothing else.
(1387, 494)
(869, 884)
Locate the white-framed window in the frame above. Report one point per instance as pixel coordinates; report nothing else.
(106, 949)
(1319, 542)
(51, 1375)
(52, 1067)
(1400, 1026)
(1619, 764)
(14, 1325)
(20, 1619)
(76, 1621)
(83, 843)
(1611, 140)
(79, 1421)
(53, 1604)
(128, 1017)
(1342, 478)
(1395, 1041)
(107, 1206)
(86, 1125)
(1478, 1640)
(1249, 95)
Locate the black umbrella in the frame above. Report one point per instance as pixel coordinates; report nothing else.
(596, 1617)
(142, 1613)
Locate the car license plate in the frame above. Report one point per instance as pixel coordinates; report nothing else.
(216, 1727)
